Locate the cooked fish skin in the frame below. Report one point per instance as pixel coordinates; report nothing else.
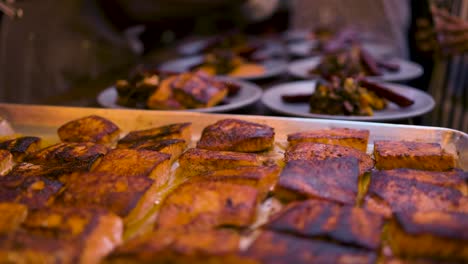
(318, 151)
(94, 231)
(192, 91)
(163, 246)
(6, 162)
(91, 128)
(389, 194)
(136, 162)
(237, 135)
(344, 224)
(23, 247)
(347, 137)
(456, 179)
(173, 147)
(279, 248)
(116, 193)
(435, 234)
(80, 155)
(263, 178)
(204, 205)
(317, 179)
(195, 161)
(33, 191)
(413, 155)
(21, 146)
(171, 131)
(13, 215)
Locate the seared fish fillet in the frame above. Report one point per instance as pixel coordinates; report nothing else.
(21, 147)
(330, 179)
(436, 234)
(90, 129)
(196, 161)
(414, 155)
(455, 179)
(204, 205)
(6, 162)
(347, 137)
(128, 197)
(194, 90)
(162, 246)
(318, 151)
(24, 247)
(263, 178)
(173, 147)
(136, 162)
(79, 155)
(33, 185)
(93, 232)
(13, 215)
(237, 135)
(172, 131)
(344, 224)
(278, 248)
(388, 194)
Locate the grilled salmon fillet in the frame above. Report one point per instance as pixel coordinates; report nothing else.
(279, 248)
(173, 147)
(414, 155)
(330, 179)
(23, 247)
(79, 155)
(21, 147)
(316, 218)
(162, 246)
(204, 205)
(130, 197)
(263, 178)
(172, 131)
(62, 235)
(347, 137)
(195, 161)
(195, 90)
(455, 179)
(93, 232)
(436, 234)
(13, 215)
(90, 129)
(318, 151)
(388, 194)
(237, 135)
(36, 186)
(6, 162)
(136, 162)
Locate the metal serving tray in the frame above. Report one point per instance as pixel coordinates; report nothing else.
(43, 121)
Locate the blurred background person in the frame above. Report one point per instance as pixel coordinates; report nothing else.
(57, 45)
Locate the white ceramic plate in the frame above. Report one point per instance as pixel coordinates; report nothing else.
(272, 67)
(408, 70)
(247, 95)
(303, 49)
(423, 103)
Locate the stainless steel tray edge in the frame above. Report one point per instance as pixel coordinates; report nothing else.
(44, 121)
